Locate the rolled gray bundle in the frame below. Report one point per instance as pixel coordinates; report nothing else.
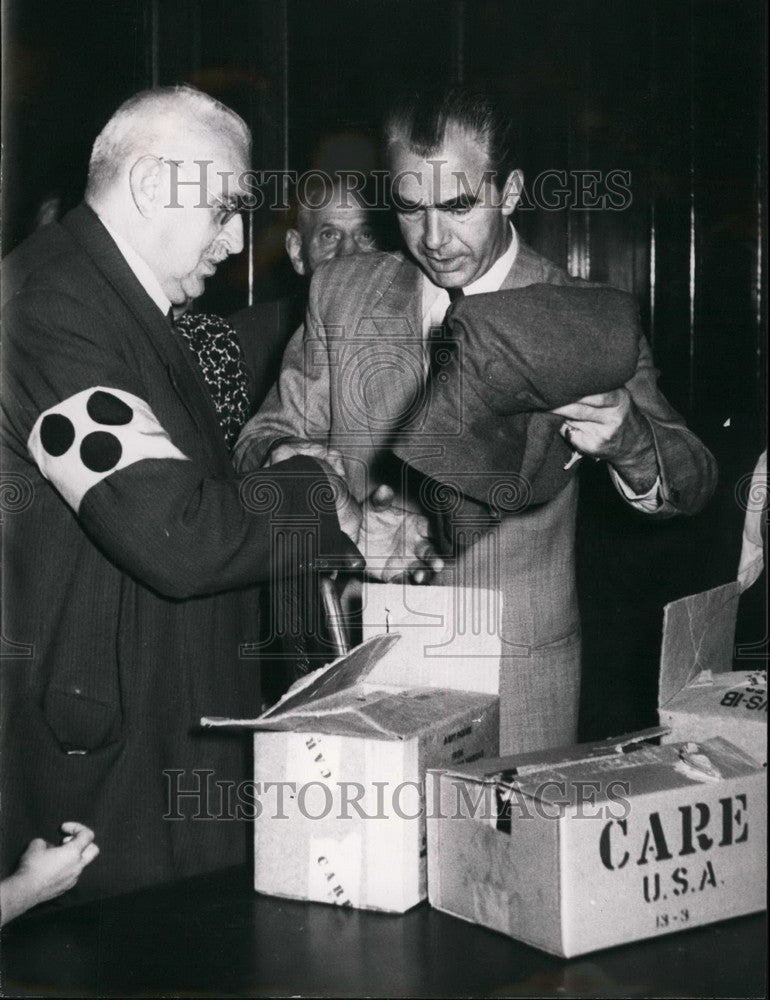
(510, 357)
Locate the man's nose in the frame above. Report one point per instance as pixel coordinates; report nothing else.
(435, 233)
(233, 234)
(346, 246)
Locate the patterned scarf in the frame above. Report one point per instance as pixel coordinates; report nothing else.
(220, 356)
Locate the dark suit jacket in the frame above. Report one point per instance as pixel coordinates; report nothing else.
(264, 330)
(127, 604)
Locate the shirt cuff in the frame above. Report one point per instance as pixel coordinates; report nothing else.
(647, 502)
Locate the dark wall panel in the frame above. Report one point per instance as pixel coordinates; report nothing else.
(66, 66)
(672, 94)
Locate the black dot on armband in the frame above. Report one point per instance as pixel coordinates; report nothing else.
(56, 434)
(104, 408)
(100, 451)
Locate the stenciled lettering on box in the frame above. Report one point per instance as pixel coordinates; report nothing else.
(697, 833)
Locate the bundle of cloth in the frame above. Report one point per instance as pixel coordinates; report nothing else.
(510, 357)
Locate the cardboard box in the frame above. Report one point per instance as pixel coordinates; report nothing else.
(699, 693)
(347, 750)
(596, 845)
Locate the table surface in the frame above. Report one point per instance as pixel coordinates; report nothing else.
(214, 936)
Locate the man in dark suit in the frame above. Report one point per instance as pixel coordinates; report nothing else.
(130, 552)
(356, 373)
(331, 220)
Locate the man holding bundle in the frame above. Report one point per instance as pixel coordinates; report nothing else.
(352, 393)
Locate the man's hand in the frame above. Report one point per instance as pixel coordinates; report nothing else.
(395, 541)
(609, 426)
(349, 512)
(329, 458)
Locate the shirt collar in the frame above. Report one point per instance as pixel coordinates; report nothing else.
(495, 276)
(141, 269)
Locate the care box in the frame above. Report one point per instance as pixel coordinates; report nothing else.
(599, 844)
(340, 761)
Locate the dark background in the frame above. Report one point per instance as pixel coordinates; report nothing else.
(673, 91)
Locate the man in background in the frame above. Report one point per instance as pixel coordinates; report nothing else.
(330, 218)
(357, 371)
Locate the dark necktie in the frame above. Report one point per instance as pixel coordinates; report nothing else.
(443, 349)
(442, 346)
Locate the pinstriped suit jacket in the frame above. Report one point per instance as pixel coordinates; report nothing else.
(127, 614)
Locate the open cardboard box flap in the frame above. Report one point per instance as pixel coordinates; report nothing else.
(699, 693)
(698, 634)
(315, 694)
(439, 655)
(344, 699)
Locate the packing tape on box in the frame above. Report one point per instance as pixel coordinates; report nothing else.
(696, 765)
(333, 866)
(334, 870)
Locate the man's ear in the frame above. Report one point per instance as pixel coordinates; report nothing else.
(145, 180)
(294, 250)
(512, 191)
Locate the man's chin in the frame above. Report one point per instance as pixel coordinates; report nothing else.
(449, 275)
(448, 279)
(193, 287)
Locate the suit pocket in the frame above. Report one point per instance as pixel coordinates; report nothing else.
(80, 723)
(569, 638)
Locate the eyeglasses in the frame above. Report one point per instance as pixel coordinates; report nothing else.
(224, 211)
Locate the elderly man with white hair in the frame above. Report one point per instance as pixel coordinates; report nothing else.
(131, 544)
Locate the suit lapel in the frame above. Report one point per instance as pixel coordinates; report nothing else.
(529, 268)
(183, 371)
(396, 353)
(401, 296)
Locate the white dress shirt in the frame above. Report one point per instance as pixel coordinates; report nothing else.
(141, 270)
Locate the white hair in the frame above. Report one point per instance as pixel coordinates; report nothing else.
(146, 121)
